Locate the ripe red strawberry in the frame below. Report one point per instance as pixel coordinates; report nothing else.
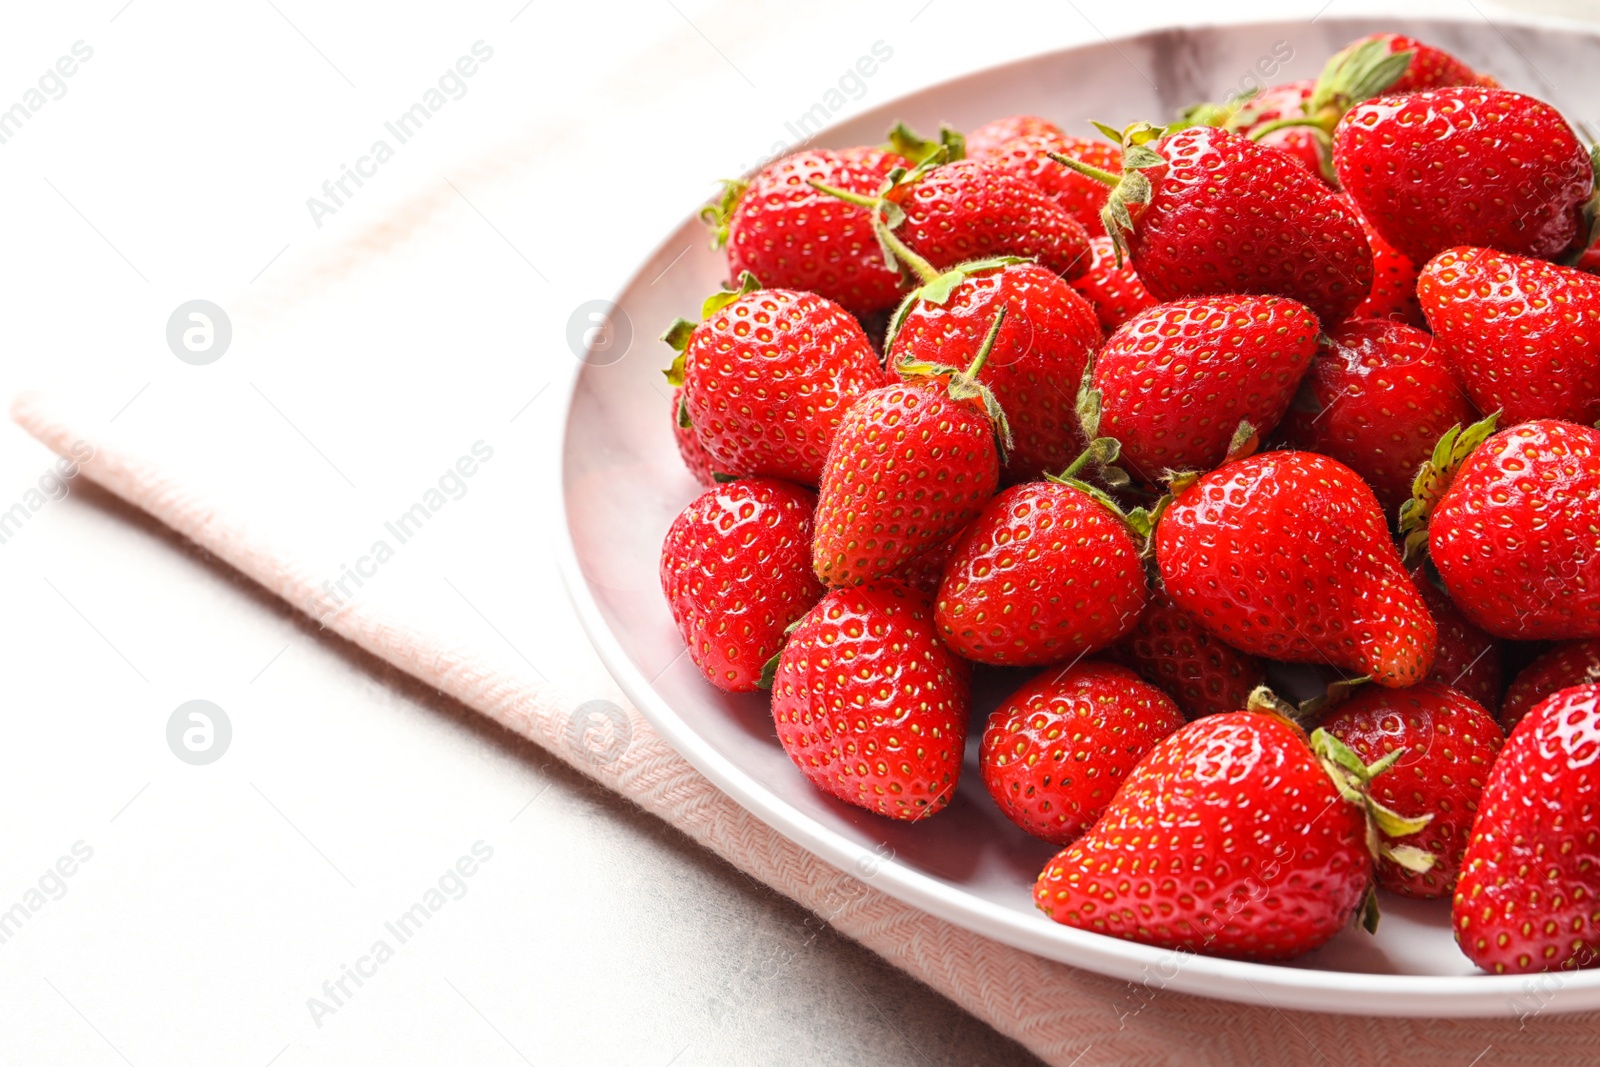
(767, 377)
(1523, 335)
(912, 464)
(1046, 572)
(690, 450)
(1286, 555)
(956, 212)
(1517, 182)
(1469, 660)
(924, 573)
(1169, 648)
(1525, 900)
(868, 703)
(1448, 743)
(1038, 357)
(984, 141)
(1509, 524)
(1055, 751)
(785, 232)
(1228, 839)
(1430, 67)
(1306, 145)
(736, 569)
(1114, 290)
(1175, 381)
(1394, 280)
(1377, 399)
(1028, 157)
(1562, 667)
(1203, 211)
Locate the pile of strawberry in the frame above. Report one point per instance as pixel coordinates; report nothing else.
(1305, 378)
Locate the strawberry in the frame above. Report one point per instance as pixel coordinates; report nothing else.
(1568, 664)
(1112, 288)
(1174, 383)
(1447, 743)
(1055, 751)
(1203, 211)
(1377, 399)
(791, 236)
(1041, 350)
(869, 705)
(767, 377)
(1394, 280)
(1468, 660)
(987, 139)
(1509, 521)
(1286, 555)
(912, 463)
(1523, 335)
(1048, 571)
(949, 213)
(1230, 838)
(735, 568)
(1169, 648)
(1525, 900)
(1306, 145)
(1028, 157)
(1429, 68)
(690, 450)
(924, 573)
(1517, 182)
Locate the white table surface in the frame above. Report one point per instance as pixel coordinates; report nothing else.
(218, 899)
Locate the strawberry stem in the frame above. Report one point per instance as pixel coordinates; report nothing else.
(971, 373)
(859, 199)
(926, 272)
(1105, 177)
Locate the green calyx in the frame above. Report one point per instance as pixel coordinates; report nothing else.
(937, 286)
(1102, 453)
(963, 385)
(716, 214)
(1591, 208)
(1360, 72)
(904, 141)
(1353, 779)
(1434, 479)
(1129, 188)
(678, 333)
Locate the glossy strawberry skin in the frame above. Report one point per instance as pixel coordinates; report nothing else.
(1175, 381)
(694, 455)
(770, 376)
(1562, 667)
(1114, 291)
(793, 236)
(1054, 752)
(736, 571)
(1228, 839)
(1044, 574)
(1525, 900)
(1468, 660)
(1170, 649)
(984, 141)
(869, 705)
(909, 467)
(1228, 216)
(1377, 399)
(1451, 742)
(1027, 157)
(1464, 166)
(1286, 555)
(1037, 361)
(1394, 280)
(970, 210)
(1522, 335)
(1513, 538)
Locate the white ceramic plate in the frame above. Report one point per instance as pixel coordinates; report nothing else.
(623, 485)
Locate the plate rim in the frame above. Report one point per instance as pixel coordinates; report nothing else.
(1239, 981)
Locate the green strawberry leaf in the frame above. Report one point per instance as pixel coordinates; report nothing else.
(717, 215)
(684, 422)
(677, 337)
(1433, 480)
(1356, 73)
(721, 299)
(904, 141)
